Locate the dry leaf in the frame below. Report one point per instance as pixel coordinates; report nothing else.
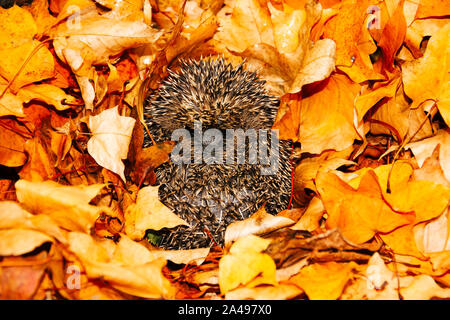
(315, 279)
(149, 213)
(258, 223)
(246, 264)
(111, 135)
(431, 69)
(68, 206)
(360, 213)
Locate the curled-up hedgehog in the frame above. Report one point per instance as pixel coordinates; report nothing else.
(233, 163)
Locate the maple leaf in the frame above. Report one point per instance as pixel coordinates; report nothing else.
(353, 42)
(246, 264)
(431, 69)
(315, 281)
(149, 213)
(360, 213)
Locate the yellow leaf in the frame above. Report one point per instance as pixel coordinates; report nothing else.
(317, 282)
(68, 206)
(353, 43)
(326, 125)
(40, 66)
(422, 287)
(13, 216)
(149, 213)
(282, 291)
(111, 136)
(276, 43)
(427, 78)
(10, 104)
(128, 267)
(246, 265)
(17, 25)
(402, 241)
(15, 242)
(48, 93)
(424, 149)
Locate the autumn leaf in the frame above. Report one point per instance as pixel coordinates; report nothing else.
(360, 213)
(325, 125)
(315, 280)
(149, 213)
(111, 135)
(353, 42)
(431, 69)
(66, 205)
(258, 223)
(246, 264)
(286, 59)
(131, 268)
(424, 149)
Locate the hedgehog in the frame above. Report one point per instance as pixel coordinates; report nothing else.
(209, 195)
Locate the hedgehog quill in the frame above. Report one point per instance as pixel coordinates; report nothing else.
(227, 172)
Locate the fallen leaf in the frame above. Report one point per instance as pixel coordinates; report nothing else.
(316, 282)
(149, 213)
(15, 242)
(111, 135)
(258, 223)
(141, 276)
(422, 287)
(359, 214)
(12, 35)
(424, 149)
(68, 206)
(381, 282)
(431, 69)
(40, 65)
(326, 125)
(278, 292)
(246, 264)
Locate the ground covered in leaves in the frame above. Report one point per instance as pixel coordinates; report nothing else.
(364, 89)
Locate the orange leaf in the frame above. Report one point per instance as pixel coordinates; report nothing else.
(325, 125)
(353, 42)
(427, 78)
(393, 35)
(360, 213)
(316, 281)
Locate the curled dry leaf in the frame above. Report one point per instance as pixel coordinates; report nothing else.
(282, 291)
(94, 40)
(40, 65)
(111, 135)
(13, 216)
(424, 149)
(258, 223)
